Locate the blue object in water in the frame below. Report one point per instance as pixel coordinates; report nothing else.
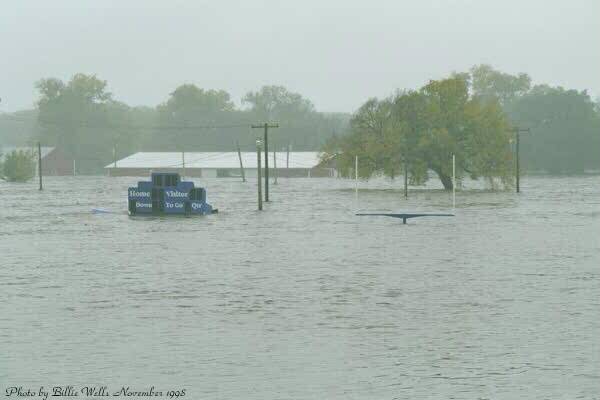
(404, 216)
(167, 194)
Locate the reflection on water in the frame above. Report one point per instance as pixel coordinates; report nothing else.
(305, 300)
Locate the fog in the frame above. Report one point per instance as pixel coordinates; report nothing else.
(336, 53)
(310, 199)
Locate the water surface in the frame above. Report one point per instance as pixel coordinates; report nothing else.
(305, 300)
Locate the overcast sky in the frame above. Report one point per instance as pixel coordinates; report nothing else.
(337, 53)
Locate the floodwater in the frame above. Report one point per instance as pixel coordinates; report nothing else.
(305, 300)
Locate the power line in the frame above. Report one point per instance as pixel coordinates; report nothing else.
(87, 124)
(107, 125)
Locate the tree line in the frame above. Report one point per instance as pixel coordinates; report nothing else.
(473, 116)
(83, 118)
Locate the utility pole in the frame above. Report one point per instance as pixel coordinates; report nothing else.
(183, 164)
(260, 207)
(356, 181)
(240, 157)
(40, 163)
(453, 181)
(114, 156)
(405, 179)
(266, 127)
(517, 131)
(275, 166)
(405, 162)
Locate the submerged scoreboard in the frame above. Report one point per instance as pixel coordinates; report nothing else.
(167, 194)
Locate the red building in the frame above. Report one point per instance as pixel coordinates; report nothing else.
(54, 161)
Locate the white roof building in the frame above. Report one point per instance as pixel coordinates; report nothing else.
(218, 164)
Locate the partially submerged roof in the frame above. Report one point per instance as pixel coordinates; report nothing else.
(215, 160)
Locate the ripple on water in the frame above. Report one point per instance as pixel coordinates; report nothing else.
(304, 300)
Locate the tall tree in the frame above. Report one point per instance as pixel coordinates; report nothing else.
(196, 119)
(78, 116)
(276, 102)
(422, 130)
(488, 83)
(565, 129)
(189, 101)
(185, 113)
(300, 124)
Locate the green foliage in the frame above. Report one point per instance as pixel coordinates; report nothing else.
(565, 130)
(471, 115)
(18, 166)
(82, 118)
(277, 103)
(300, 125)
(420, 130)
(186, 119)
(183, 115)
(564, 124)
(489, 83)
(188, 100)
